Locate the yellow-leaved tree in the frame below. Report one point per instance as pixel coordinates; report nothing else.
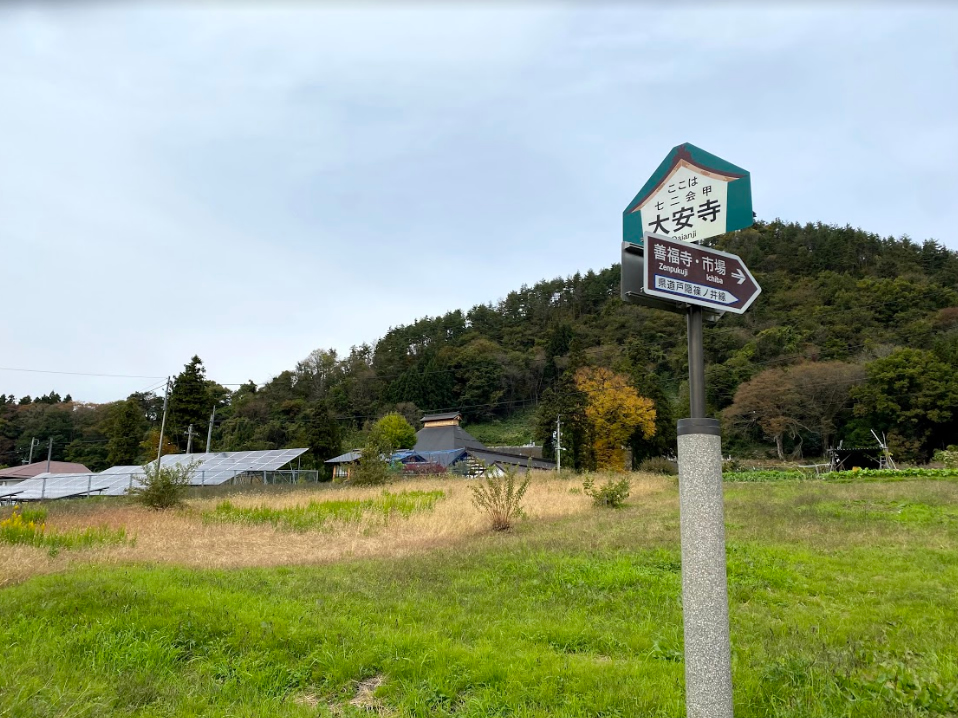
(614, 411)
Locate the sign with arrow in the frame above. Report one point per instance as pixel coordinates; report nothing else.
(691, 274)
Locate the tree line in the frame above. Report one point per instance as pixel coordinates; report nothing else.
(853, 332)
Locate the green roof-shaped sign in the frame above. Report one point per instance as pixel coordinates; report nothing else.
(693, 195)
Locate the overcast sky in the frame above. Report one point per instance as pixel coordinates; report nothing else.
(250, 184)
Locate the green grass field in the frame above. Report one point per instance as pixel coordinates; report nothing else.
(844, 602)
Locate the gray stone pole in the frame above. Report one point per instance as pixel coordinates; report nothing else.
(708, 663)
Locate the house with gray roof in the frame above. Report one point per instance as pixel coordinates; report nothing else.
(442, 445)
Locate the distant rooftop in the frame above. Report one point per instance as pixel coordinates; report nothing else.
(38, 467)
(449, 416)
(445, 435)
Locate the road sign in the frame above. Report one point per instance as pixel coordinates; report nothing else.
(697, 275)
(693, 195)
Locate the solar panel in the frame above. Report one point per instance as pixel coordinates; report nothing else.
(218, 468)
(54, 486)
(211, 470)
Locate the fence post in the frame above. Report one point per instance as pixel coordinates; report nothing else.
(89, 482)
(43, 488)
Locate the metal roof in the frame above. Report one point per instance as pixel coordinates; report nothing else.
(28, 471)
(497, 457)
(442, 417)
(347, 458)
(445, 438)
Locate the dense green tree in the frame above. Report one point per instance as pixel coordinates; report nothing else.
(323, 436)
(558, 341)
(567, 402)
(88, 436)
(45, 422)
(125, 432)
(318, 373)
(913, 394)
(395, 431)
(480, 380)
(92, 455)
(663, 440)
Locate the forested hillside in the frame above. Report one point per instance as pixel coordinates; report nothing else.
(852, 332)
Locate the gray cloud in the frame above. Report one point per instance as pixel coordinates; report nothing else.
(250, 184)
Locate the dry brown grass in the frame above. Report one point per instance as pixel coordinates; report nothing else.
(181, 537)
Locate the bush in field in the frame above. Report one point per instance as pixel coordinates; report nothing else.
(659, 465)
(948, 457)
(731, 465)
(373, 466)
(612, 493)
(500, 498)
(163, 487)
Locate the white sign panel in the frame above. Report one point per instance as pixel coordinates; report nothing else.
(690, 205)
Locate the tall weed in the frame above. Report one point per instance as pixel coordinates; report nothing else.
(500, 498)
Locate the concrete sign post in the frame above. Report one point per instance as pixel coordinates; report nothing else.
(708, 654)
(692, 196)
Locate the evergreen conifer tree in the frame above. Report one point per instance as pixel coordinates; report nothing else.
(190, 401)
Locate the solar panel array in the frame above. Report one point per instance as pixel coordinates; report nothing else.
(218, 468)
(54, 486)
(210, 470)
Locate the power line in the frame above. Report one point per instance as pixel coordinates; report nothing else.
(82, 373)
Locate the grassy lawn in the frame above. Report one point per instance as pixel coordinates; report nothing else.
(844, 602)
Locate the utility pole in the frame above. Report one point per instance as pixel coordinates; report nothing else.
(33, 442)
(189, 439)
(159, 447)
(209, 434)
(559, 444)
(49, 452)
